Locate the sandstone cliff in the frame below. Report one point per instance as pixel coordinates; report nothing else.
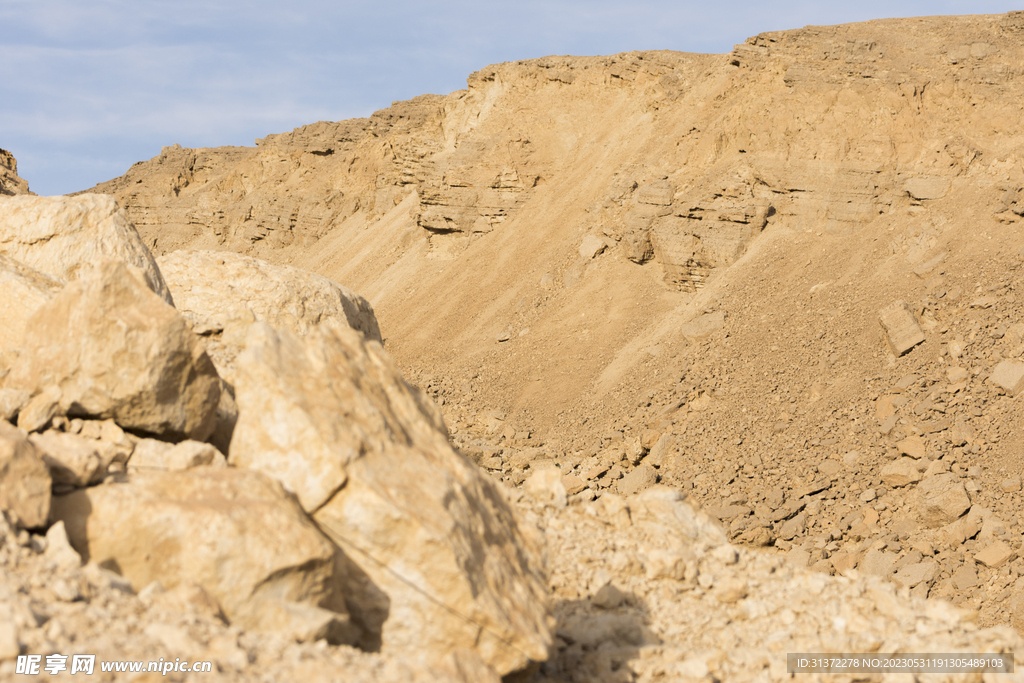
(461, 216)
(10, 183)
(786, 280)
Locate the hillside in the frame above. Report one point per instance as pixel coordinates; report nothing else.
(670, 267)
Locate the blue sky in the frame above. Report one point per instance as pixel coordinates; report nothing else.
(90, 87)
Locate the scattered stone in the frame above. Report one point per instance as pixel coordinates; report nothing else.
(703, 326)
(900, 472)
(957, 374)
(1009, 376)
(901, 328)
(640, 479)
(911, 575)
(573, 484)
(793, 527)
(995, 555)
(592, 246)
(965, 578)
(1010, 484)
(912, 446)
(940, 499)
(829, 468)
(607, 597)
(877, 563)
(927, 187)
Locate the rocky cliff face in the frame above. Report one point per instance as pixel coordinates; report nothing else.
(678, 162)
(785, 281)
(10, 183)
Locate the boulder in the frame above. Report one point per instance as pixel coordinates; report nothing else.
(22, 291)
(24, 479)
(235, 533)
(330, 417)
(214, 289)
(66, 237)
(73, 460)
(108, 347)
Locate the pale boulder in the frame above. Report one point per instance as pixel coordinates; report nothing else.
(108, 347)
(22, 291)
(66, 237)
(216, 289)
(235, 533)
(330, 416)
(73, 460)
(24, 479)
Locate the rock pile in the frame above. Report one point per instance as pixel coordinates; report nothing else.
(338, 512)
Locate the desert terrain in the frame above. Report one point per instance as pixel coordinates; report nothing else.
(655, 366)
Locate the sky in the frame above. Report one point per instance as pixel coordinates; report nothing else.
(89, 87)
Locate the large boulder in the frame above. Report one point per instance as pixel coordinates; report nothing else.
(22, 291)
(66, 237)
(108, 347)
(215, 289)
(330, 417)
(24, 479)
(235, 533)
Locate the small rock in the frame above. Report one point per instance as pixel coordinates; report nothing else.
(913, 574)
(58, 551)
(1009, 376)
(957, 374)
(592, 246)
(703, 326)
(638, 480)
(867, 496)
(573, 484)
(901, 328)
(878, 563)
(607, 597)
(794, 527)
(912, 446)
(940, 499)
(900, 472)
(965, 577)
(829, 468)
(995, 555)
(25, 482)
(1010, 484)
